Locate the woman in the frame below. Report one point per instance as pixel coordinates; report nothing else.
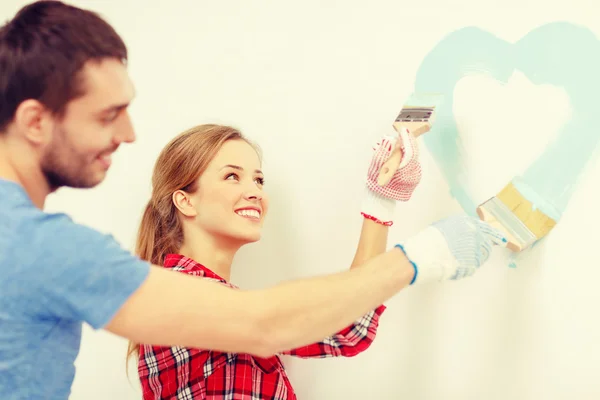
(207, 202)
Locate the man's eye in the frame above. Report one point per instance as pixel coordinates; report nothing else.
(110, 117)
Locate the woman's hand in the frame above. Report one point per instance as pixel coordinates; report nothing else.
(380, 201)
(452, 248)
(407, 175)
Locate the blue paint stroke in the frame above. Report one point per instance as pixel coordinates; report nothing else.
(560, 54)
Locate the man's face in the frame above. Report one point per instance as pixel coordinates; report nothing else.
(78, 153)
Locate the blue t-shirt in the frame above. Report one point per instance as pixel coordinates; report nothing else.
(54, 275)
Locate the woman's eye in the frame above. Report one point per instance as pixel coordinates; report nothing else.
(231, 175)
(260, 181)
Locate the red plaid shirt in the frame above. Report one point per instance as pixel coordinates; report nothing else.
(187, 373)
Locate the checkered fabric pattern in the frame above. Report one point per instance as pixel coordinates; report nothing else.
(187, 373)
(407, 176)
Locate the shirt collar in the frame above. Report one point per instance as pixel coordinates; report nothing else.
(19, 194)
(183, 263)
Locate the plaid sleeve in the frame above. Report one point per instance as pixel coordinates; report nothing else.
(348, 342)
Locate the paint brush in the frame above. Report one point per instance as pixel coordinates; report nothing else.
(415, 118)
(513, 212)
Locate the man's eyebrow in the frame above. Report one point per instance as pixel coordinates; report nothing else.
(116, 107)
(258, 171)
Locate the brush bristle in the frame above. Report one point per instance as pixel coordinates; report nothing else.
(535, 220)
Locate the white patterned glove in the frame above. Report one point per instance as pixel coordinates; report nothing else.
(452, 248)
(380, 201)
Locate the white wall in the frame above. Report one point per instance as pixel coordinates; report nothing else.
(321, 80)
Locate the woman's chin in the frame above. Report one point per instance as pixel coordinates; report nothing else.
(243, 238)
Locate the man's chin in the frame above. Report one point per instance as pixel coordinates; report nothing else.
(95, 182)
(88, 182)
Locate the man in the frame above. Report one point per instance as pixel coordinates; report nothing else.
(64, 93)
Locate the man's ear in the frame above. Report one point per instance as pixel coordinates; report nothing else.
(184, 204)
(33, 121)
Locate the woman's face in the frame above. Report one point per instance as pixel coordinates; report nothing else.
(230, 202)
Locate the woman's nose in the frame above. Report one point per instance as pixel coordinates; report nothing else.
(253, 194)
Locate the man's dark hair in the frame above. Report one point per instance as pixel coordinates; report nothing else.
(43, 49)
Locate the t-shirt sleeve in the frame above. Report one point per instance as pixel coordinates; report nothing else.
(76, 272)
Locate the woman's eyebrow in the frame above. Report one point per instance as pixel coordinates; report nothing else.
(258, 171)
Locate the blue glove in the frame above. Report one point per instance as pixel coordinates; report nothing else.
(452, 248)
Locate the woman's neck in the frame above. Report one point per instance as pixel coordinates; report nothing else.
(213, 254)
